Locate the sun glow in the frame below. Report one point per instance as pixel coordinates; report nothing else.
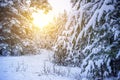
(40, 19)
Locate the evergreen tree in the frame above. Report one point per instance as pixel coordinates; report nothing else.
(16, 26)
(92, 38)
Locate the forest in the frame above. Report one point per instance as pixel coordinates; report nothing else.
(59, 40)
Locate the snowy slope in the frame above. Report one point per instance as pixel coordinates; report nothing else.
(36, 67)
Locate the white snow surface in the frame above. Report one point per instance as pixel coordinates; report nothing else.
(35, 67)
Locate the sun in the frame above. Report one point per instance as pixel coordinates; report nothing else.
(40, 19)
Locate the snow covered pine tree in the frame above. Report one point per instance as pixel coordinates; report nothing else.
(91, 39)
(16, 25)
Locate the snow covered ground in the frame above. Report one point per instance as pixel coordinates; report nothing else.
(35, 67)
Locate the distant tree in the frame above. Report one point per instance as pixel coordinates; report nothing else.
(57, 26)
